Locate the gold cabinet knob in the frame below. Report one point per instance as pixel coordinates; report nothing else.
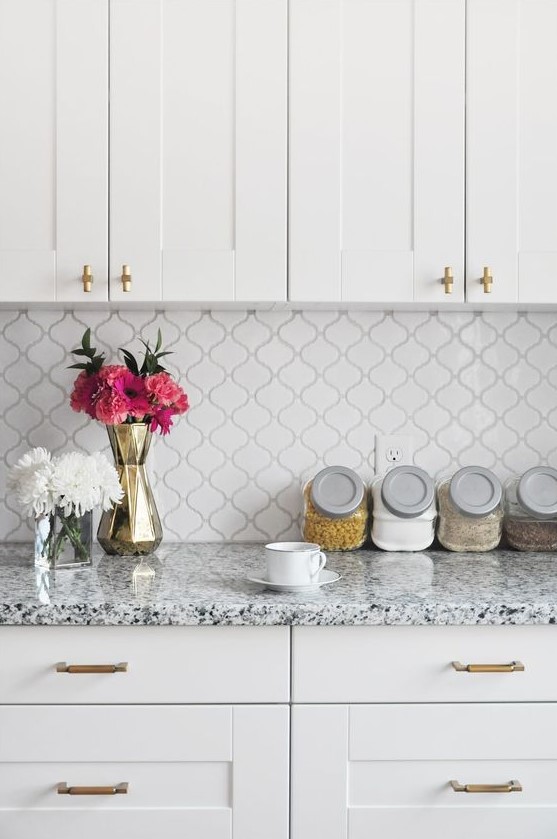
(487, 280)
(126, 278)
(448, 280)
(87, 278)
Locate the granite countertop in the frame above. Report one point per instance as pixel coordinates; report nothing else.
(205, 584)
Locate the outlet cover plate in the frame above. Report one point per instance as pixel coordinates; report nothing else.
(393, 450)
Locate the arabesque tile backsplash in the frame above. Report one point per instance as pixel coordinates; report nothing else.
(276, 395)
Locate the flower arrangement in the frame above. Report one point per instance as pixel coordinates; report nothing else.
(115, 393)
(59, 492)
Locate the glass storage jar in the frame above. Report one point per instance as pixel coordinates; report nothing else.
(404, 510)
(470, 510)
(530, 522)
(335, 510)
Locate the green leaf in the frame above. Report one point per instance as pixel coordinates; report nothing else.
(168, 352)
(88, 353)
(159, 341)
(86, 340)
(130, 361)
(78, 366)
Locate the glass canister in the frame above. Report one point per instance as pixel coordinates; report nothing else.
(470, 510)
(404, 510)
(335, 510)
(530, 522)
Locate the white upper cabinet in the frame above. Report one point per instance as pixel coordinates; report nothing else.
(376, 190)
(53, 149)
(198, 149)
(512, 150)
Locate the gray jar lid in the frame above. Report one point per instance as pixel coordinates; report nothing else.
(337, 491)
(537, 492)
(475, 491)
(407, 491)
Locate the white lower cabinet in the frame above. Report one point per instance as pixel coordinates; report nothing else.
(386, 770)
(205, 772)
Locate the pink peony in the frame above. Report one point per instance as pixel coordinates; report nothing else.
(84, 389)
(111, 407)
(109, 374)
(164, 391)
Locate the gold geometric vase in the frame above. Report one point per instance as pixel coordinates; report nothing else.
(133, 527)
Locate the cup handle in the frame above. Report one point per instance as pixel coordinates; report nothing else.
(321, 565)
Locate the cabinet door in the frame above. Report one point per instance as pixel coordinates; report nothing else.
(53, 149)
(386, 770)
(376, 189)
(205, 772)
(512, 150)
(198, 149)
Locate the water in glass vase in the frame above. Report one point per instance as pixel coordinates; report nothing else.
(63, 541)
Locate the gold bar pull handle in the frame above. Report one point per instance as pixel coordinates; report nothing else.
(487, 280)
(511, 667)
(511, 786)
(62, 667)
(448, 280)
(126, 278)
(87, 278)
(119, 789)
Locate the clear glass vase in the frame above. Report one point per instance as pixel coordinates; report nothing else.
(63, 541)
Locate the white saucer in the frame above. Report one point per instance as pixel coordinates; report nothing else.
(325, 578)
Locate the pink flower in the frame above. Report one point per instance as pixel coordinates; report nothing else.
(84, 389)
(109, 374)
(164, 391)
(111, 407)
(162, 419)
(133, 389)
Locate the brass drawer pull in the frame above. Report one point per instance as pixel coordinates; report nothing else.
(62, 667)
(512, 786)
(119, 789)
(511, 667)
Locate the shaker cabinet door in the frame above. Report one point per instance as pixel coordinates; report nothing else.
(192, 772)
(361, 771)
(512, 151)
(376, 187)
(53, 149)
(198, 150)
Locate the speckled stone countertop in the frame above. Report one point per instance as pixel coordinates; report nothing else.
(205, 584)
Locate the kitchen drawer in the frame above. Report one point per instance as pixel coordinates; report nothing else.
(209, 772)
(414, 663)
(171, 664)
(385, 770)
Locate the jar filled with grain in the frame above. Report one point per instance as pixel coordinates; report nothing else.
(404, 510)
(470, 510)
(335, 510)
(530, 522)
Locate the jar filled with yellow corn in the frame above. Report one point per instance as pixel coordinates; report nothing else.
(335, 510)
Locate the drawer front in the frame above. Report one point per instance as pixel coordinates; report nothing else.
(415, 664)
(203, 771)
(164, 664)
(386, 770)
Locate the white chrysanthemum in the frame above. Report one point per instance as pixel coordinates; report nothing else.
(74, 484)
(111, 491)
(30, 479)
(82, 482)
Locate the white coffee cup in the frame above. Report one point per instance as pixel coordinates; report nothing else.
(294, 563)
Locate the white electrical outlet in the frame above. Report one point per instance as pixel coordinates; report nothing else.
(393, 450)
